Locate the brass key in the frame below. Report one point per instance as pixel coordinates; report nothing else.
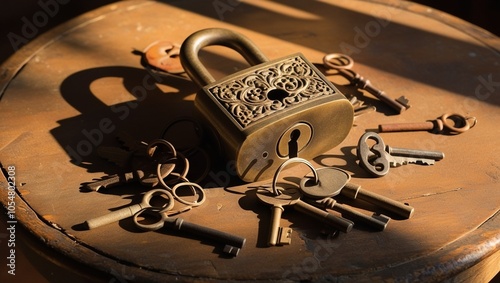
(343, 64)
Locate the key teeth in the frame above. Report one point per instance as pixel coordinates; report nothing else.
(284, 236)
(231, 250)
(403, 101)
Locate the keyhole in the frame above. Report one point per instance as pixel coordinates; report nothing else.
(277, 94)
(293, 146)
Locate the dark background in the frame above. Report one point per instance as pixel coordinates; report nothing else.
(482, 13)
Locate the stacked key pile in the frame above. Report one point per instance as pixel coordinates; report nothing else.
(158, 166)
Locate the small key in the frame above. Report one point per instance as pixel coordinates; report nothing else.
(145, 176)
(457, 125)
(330, 183)
(343, 64)
(291, 197)
(378, 159)
(143, 159)
(354, 191)
(129, 211)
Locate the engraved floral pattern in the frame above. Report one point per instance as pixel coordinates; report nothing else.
(246, 97)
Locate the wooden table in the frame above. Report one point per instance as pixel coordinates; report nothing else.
(74, 88)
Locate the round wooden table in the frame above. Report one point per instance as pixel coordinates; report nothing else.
(74, 88)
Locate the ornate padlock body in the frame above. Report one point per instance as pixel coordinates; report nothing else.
(265, 114)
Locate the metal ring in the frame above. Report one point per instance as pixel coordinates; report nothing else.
(465, 122)
(185, 181)
(150, 194)
(286, 163)
(342, 58)
(198, 129)
(207, 168)
(155, 142)
(192, 185)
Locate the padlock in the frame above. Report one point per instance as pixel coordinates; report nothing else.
(269, 112)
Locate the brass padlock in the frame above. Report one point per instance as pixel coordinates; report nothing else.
(269, 112)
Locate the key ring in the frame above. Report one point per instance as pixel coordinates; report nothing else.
(185, 182)
(193, 186)
(288, 162)
(198, 130)
(153, 145)
(344, 62)
(464, 121)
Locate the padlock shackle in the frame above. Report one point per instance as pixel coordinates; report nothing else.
(215, 36)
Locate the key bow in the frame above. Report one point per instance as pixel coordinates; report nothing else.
(373, 159)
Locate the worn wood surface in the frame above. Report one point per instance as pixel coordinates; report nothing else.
(80, 84)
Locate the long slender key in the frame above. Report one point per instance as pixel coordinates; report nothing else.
(378, 159)
(331, 181)
(291, 197)
(460, 124)
(233, 243)
(343, 64)
(354, 191)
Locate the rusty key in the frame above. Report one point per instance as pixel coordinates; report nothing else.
(457, 125)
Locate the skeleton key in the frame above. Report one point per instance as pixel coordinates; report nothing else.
(233, 243)
(144, 168)
(379, 158)
(460, 124)
(343, 64)
(330, 183)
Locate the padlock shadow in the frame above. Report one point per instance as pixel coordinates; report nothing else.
(143, 116)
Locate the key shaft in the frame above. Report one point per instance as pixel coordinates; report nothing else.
(110, 181)
(114, 216)
(355, 191)
(435, 125)
(208, 233)
(274, 229)
(415, 153)
(339, 223)
(352, 214)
